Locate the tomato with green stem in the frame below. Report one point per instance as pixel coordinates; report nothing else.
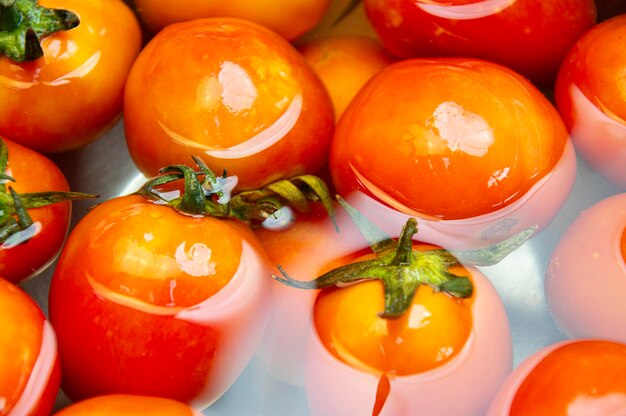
(166, 292)
(63, 71)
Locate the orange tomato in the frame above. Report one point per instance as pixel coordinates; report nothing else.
(127, 405)
(232, 92)
(345, 64)
(29, 367)
(152, 302)
(289, 19)
(35, 173)
(74, 93)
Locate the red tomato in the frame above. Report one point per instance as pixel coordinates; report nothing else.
(152, 302)
(34, 173)
(239, 96)
(582, 377)
(468, 146)
(29, 366)
(74, 93)
(590, 95)
(289, 19)
(530, 36)
(126, 405)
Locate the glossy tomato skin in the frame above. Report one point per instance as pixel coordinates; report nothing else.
(239, 96)
(589, 95)
(343, 379)
(148, 301)
(469, 147)
(74, 93)
(288, 19)
(127, 405)
(583, 376)
(530, 36)
(29, 366)
(34, 172)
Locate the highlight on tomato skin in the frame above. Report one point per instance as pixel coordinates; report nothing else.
(469, 147)
(29, 366)
(74, 94)
(575, 377)
(589, 96)
(245, 100)
(127, 405)
(530, 36)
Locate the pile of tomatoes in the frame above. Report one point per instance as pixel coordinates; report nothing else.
(216, 133)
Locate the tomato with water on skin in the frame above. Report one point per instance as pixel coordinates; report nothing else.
(289, 19)
(529, 36)
(29, 366)
(239, 96)
(35, 173)
(74, 93)
(127, 405)
(148, 301)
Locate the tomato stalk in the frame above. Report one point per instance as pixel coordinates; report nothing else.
(205, 194)
(23, 23)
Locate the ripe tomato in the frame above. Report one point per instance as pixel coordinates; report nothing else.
(127, 405)
(239, 95)
(469, 147)
(530, 36)
(33, 173)
(590, 97)
(74, 93)
(152, 302)
(345, 64)
(29, 366)
(583, 377)
(288, 19)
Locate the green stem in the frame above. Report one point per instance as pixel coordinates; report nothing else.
(23, 23)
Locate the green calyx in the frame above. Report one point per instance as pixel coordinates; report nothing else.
(23, 23)
(205, 194)
(403, 269)
(16, 224)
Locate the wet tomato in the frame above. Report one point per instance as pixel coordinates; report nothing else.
(74, 93)
(288, 19)
(529, 36)
(581, 377)
(127, 405)
(29, 366)
(590, 95)
(239, 96)
(469, 147)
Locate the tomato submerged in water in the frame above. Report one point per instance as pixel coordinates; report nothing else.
(73, 93)
(127, 405)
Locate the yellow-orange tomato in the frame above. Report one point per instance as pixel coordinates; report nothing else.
(74, 93)
(447, 138)
(29, 367)
(127, 405)
(580, 377)
(232, 92)
(289, 19)
(345, 64)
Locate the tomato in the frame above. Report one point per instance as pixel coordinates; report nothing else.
(469, 147)
(590, 93)
(239, 96)
(583, 377)
(288, 19)
(29, 366)
(73, 94)
(345, 64)
(586, 278)
(148, 301)
(530, 36)
(20, 259)
(127, 405)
